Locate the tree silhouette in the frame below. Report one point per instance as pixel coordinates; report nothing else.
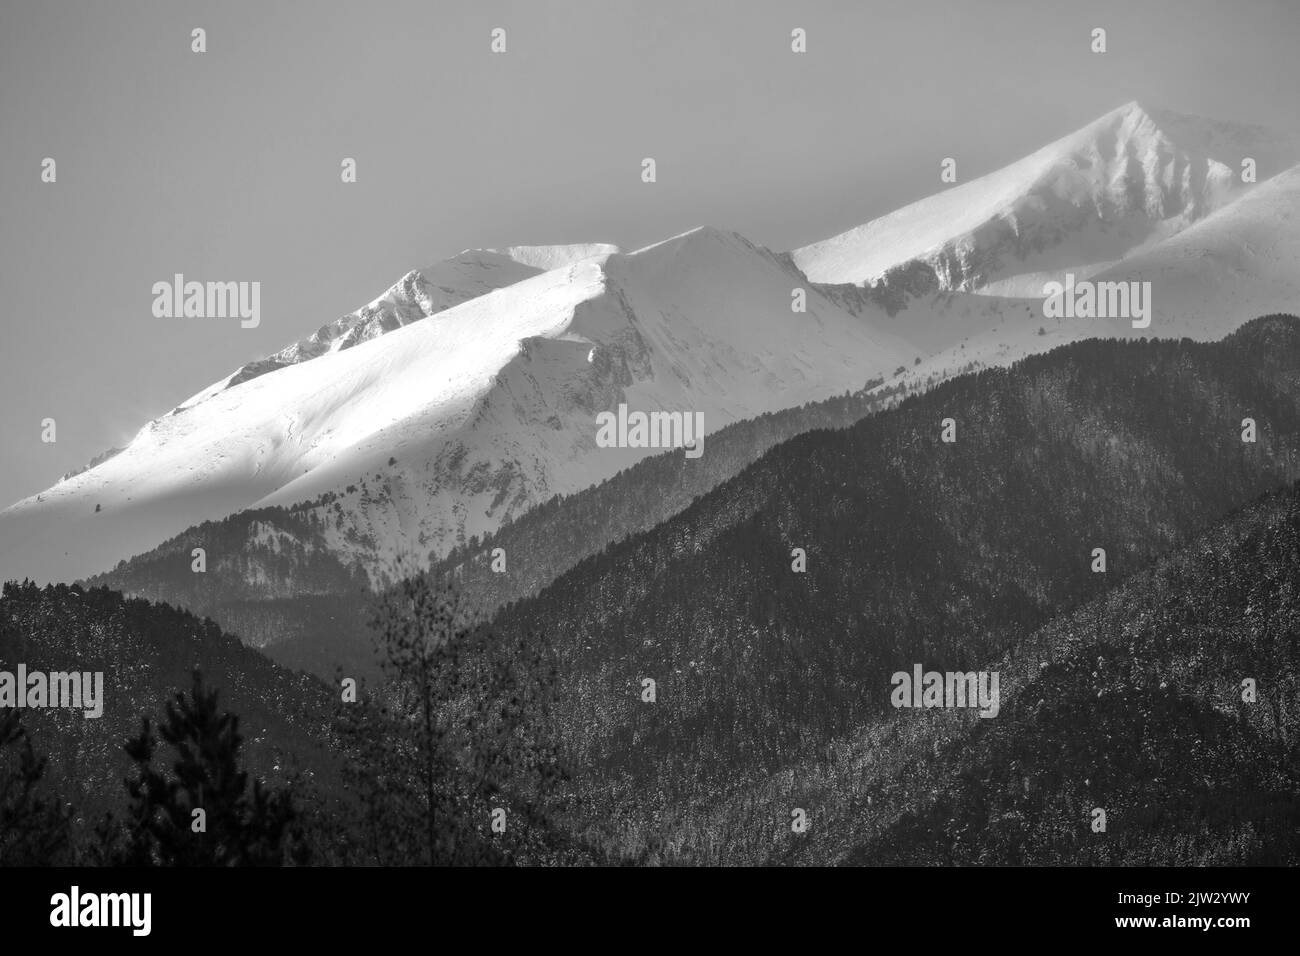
(33, 829)
(239, 827)
(458, 729)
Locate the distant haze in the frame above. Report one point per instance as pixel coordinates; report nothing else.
(225, 165)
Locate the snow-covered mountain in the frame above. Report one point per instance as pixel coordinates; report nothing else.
(444, 427)
(1238, 263)
(417, 295)
(468, 392)
(1122, 183)
(1139, 195)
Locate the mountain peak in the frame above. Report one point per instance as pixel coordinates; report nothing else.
(1226, 141)
(546, 258)
(695, 237)
(1137, 106)
(1140, 112)
(1134, 175)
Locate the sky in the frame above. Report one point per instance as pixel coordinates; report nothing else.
(225, 165)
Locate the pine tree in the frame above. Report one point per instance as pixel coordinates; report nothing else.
(237, 827)
(33, 828)
(459, 727)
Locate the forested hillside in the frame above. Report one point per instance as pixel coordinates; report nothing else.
(733, 663)
(918, 551)
(286, 767)
(146, 653)
(1166, 703)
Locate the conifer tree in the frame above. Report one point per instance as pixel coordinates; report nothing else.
(33, 828)
(237, 826)
(468, 730)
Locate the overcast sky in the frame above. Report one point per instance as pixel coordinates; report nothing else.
(225, 165)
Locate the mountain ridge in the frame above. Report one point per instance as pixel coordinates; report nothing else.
(702, 321)
(1119, 177)
(490, 408)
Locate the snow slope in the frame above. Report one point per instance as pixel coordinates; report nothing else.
(486, 409)
(1138, 195)
(1236, 264)
(417, 295)
(1130, 179)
